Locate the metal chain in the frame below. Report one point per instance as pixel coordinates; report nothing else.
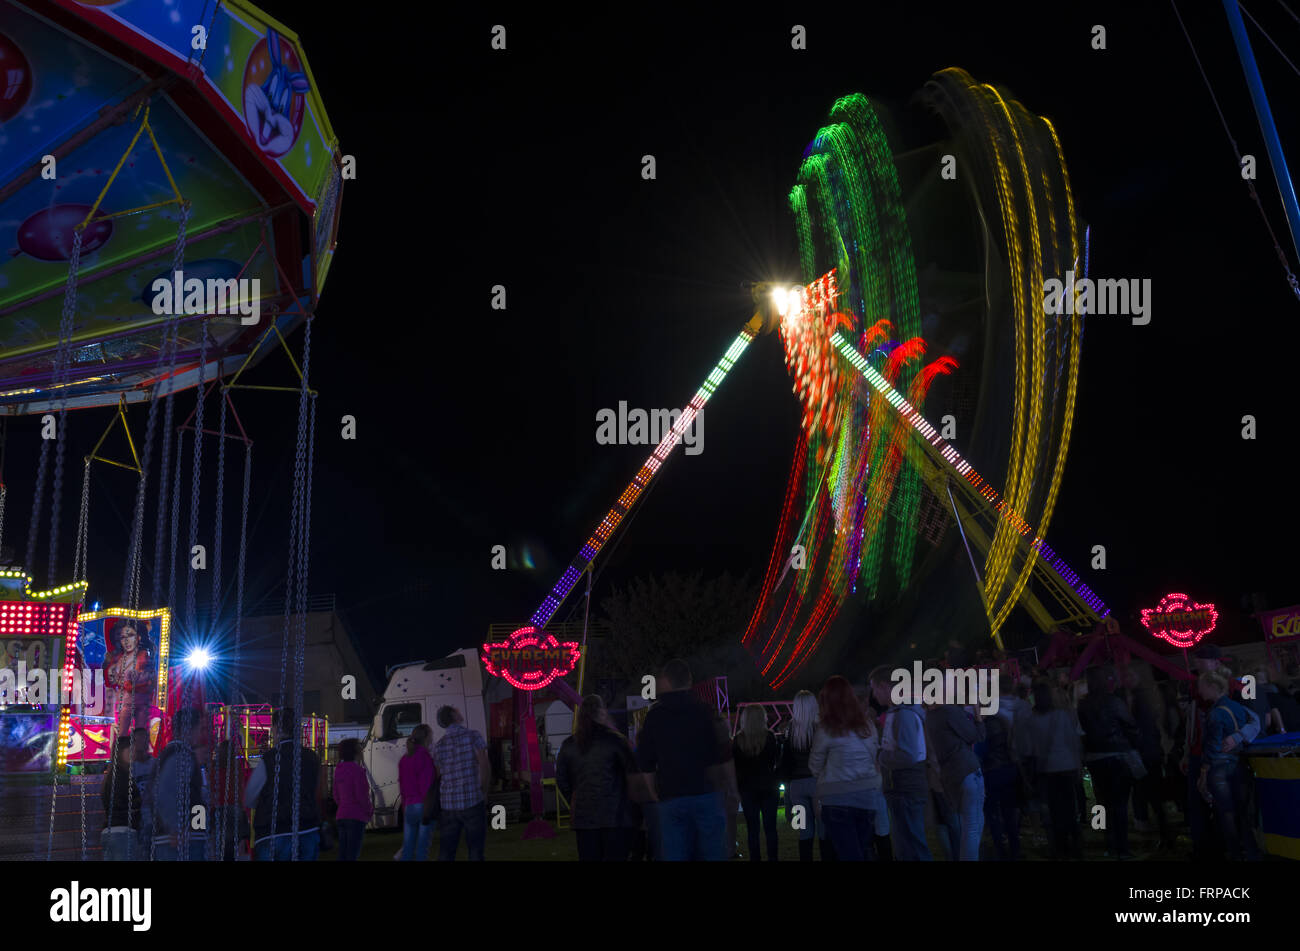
(79, 554)
(3, 492)
(175, 523)
(65, 332)
(215, 854)
(239, 596)
(63, 374)
(191, 621)
(304, 523)
(171, 341)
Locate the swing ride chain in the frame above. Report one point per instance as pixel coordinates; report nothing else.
(290, 622)
(191, 762)
(215, 854)
(239, 583)
(304, 534)
(79, 554)
(65, 334)
(171, 345)
(62, 373)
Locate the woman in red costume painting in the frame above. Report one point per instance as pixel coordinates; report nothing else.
(129, 673)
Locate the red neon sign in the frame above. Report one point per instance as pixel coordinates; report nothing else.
(1179, 621)
(529, 659)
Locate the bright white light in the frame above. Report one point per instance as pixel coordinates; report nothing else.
(200, 658)
(781, 298)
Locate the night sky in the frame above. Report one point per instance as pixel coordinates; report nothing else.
(522, 168)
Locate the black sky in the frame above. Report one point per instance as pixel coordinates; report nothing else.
(522, 168)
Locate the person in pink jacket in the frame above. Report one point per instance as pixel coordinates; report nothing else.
(415, 772)
(352, 793)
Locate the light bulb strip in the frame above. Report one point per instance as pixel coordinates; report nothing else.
(628, 498)
(956, 463)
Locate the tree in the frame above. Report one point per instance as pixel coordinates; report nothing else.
(655, 619)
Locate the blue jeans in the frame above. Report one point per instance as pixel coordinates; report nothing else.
(852, 831)
(308, 847)
(693, 828)
(166, 852)
(948, 818)
(416, 837)
(755, 805)
(351, 833)
(800, 792)
(971, 813)
(907, 822)
(474, 821)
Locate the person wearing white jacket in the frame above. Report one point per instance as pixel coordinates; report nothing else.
(843, 758)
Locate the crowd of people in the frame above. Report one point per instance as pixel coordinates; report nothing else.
(194, 800)
(869, 778)
(866, 777)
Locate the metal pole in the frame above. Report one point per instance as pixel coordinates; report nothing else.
(1265, 116)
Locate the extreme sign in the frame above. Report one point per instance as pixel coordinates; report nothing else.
(530, 659)
(1179, 621)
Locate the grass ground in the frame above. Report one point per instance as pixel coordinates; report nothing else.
(509, 845)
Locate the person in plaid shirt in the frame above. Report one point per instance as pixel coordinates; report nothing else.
(461, 758)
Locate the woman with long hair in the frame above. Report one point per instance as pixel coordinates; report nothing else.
(415, 776)
(591, 772)
(755, 754)
(843, 758)
(800, 783)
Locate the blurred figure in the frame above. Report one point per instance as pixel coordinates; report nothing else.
(1110, 734)
(121, 799)
(754, 751)
(1000, 764)
(954, 730)
(178, 790)
(591, 773)
(274, 809)
(1056, 755)
(1223, 779)
(800, 783)
(1149, 791)
(903, 765)
(227, 800)
(142, 770)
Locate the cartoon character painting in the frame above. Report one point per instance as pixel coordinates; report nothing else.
(274, 82)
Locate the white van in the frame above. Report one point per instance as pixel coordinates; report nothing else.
(414, 693)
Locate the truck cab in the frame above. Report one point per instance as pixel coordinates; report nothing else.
(414, 693)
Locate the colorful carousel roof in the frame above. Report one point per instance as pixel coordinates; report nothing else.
(116, 114)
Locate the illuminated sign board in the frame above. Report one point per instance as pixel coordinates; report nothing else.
(1180, 621)
(530, 659)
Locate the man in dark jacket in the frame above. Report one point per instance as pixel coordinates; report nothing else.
(273, 812)
(1109, 734)
(679, 744)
